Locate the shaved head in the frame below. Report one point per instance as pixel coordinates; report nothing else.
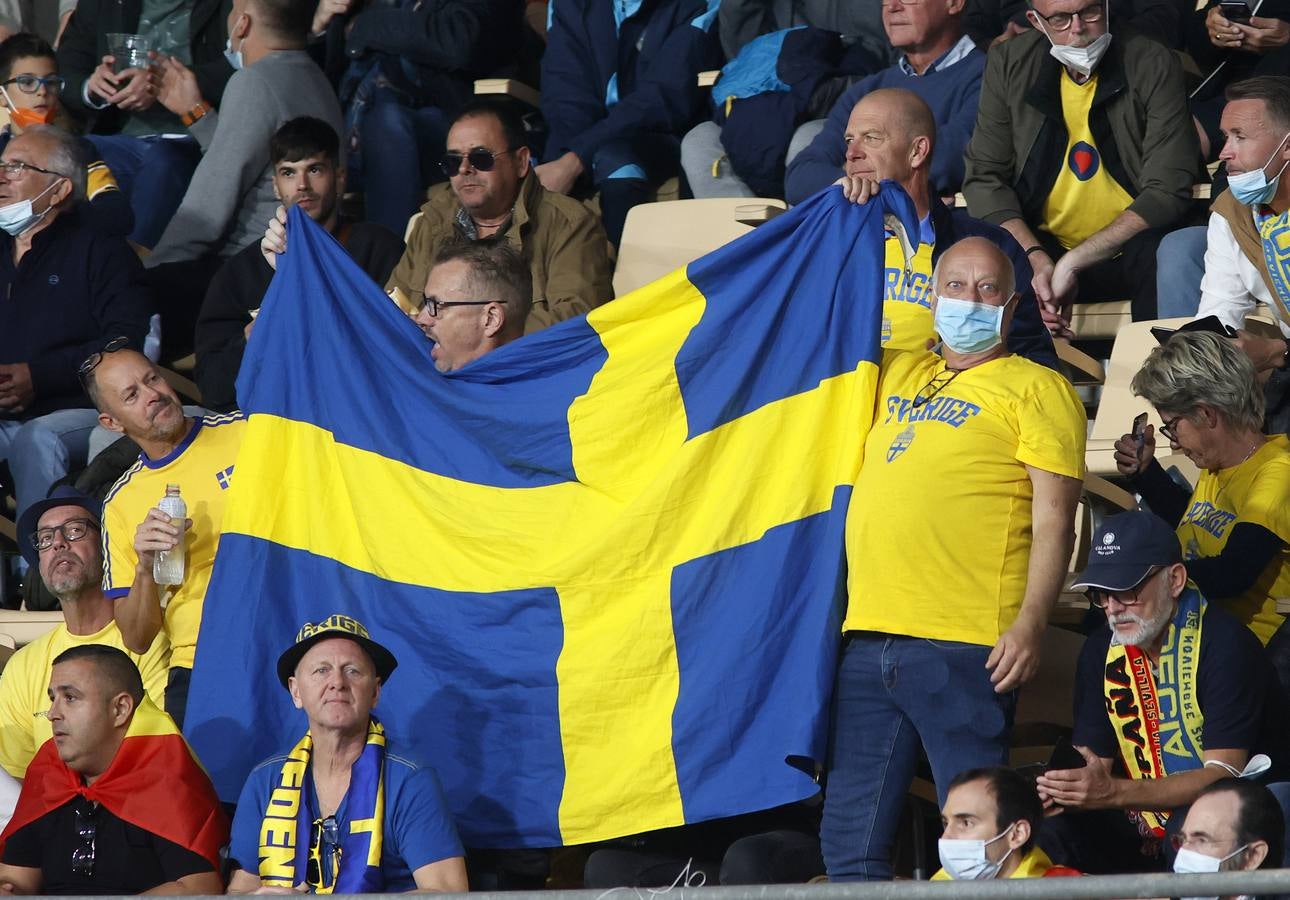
(908, 114)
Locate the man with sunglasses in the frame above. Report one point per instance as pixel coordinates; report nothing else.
(1085, 151)
(1171, 696)
(68, 288)
(115, 802)
(196, 453)
(307, 172)
(492, 190)
(376, 822)
(62, 538)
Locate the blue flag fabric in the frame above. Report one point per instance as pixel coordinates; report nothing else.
(608, 556)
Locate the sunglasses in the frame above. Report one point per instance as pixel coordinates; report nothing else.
(91, 362)
(480, 159)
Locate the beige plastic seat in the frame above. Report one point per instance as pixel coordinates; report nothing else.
(24, 626)
(661, 237)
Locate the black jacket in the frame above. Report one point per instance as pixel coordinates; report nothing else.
(75, 289)
(239, 287)
(84, 45)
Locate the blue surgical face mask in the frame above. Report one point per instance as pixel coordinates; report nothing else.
(969, 327)
(1253, 187)
(234, 57)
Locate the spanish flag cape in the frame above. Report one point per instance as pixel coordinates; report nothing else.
(154, 782)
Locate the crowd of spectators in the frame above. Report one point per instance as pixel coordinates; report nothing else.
(1051, 159)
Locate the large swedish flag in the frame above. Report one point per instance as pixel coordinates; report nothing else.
(609, 556)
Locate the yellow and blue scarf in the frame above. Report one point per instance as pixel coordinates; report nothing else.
(1275, 234)
(1156, 716)
(285, 834)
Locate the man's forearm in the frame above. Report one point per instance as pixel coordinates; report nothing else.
(1021, 231)
(1108, 242)
(1052, 542)
(1164, 794)
(138, 613)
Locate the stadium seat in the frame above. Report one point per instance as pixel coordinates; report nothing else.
(661, 237)
(24, 626)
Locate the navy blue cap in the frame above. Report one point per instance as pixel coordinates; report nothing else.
(63, 495)
(1126, 548)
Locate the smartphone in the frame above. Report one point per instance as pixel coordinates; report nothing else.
(1065, 756)
(1235, 10)
(1140, 429)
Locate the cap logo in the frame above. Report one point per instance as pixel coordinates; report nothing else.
(1108, 538)
(335, 622)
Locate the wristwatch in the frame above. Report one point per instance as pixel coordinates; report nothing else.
(195, 113)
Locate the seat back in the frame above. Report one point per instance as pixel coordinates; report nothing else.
(661, 237)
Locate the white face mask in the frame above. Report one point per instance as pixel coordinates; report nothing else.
(1189, 862)
(18, 217)
(965, 860)
(1082, 59)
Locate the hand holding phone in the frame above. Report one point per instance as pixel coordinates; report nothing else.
(1135, 450)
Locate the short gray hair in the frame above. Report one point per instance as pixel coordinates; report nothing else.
(66, 157)
(1195, 367)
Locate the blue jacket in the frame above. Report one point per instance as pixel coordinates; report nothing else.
(73, 291)
(617, 68)
(951, 92)
(1027, 336)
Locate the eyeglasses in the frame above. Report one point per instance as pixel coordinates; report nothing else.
(935, 386)
(481, 159)
(87, 829)
(1100, 599)
(1088, 15)
(1167, 427)
(30, 84)
(437, 306)
(13, 169)
(91, 362)
(326, 836)
(72, 530)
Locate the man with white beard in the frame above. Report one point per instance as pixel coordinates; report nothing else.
(1172, 696)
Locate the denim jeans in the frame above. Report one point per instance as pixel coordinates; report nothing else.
(1180, 265)
(154, 173)
(702, 147)
(402, 148)
(892, 694)
(42, 450)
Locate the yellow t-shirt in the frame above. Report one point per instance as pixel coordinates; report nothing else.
(938, 531)
(24, 687)
(1255, 491)
(1085, 198)
(907, 297)
(202, 466)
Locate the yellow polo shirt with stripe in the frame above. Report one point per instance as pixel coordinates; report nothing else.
(1256, 491)
(938, 531)
(907, 293)
(1085, 198)
(202, 466)
(24, 687)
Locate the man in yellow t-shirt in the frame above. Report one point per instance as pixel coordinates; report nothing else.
(196, 454)
(958, 537)
(59, 537)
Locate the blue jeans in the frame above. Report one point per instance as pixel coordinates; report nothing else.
(42, 450)
(154, 173)
(1180, 265)
(892, 694)
(402, 147)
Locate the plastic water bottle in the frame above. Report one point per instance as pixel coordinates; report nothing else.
(168, 567)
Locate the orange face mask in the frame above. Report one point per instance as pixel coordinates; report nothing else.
(25, 118)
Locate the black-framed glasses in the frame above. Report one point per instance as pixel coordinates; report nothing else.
(1100, 599)
(325, 838)
(30, 84)
(1062, 20)
(437, 306)
(87, 830)
(1167, 427)
(72, 530)
(91, 362)
(12, 168)
(935, 386)
(481, 159)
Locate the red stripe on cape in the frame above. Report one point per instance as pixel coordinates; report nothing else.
(153, 782)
